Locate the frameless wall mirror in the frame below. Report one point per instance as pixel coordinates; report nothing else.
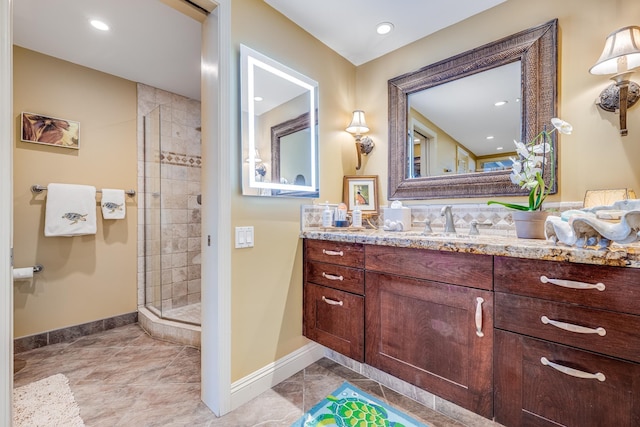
(452, 124)
(279, 129)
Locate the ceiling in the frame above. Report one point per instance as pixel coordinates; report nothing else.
(349, 26)
(149, 42)
(163, 49)
(152, 43)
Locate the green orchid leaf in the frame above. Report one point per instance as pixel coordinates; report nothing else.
(509, 205)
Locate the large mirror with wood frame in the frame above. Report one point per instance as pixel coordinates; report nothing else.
(447, 136)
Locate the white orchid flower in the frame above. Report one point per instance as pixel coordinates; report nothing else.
(562, 126)
(516, 165)
(527, 169)
(543, 148)
(521, 148)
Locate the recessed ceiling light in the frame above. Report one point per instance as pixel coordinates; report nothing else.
(99, 25)
(490, 137)
(500, 103)
(384, 28)
(499, 148)
(257, 98)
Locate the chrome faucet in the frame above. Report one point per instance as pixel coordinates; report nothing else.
(449, 227)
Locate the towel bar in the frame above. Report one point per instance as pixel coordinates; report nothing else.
(39, 189)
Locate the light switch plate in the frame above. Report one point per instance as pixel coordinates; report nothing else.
(244, 237)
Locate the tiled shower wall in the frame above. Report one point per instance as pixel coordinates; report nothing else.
(169, 261)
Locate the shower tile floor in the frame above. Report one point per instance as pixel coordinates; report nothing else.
(123, 377)
(187, 313)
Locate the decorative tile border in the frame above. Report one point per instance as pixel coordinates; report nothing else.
(179, 159)
(72, 332)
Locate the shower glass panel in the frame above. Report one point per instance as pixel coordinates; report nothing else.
(152, 211)
(172, 166)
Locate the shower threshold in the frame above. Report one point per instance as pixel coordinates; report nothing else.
(169, 330)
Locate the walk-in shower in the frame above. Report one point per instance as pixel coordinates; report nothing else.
(169, 221)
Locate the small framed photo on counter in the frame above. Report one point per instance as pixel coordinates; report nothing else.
(363, 191)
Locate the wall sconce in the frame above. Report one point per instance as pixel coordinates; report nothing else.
(620, 56)
(357, 127)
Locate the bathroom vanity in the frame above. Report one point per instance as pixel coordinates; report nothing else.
(513, 330)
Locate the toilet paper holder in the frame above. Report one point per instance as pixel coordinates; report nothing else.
(36, 268)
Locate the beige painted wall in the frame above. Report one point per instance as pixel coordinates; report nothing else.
(86, 278)
(90, 278)
(595, 155)
(267, 279)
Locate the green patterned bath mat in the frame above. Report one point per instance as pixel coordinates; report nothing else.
(349, 406)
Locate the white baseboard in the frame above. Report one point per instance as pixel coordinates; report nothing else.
(263, 379)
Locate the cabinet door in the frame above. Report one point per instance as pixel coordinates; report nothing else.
(436, 336)
(595, 391)
(335, 319)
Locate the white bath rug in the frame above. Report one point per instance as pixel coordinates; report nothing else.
(46, 403)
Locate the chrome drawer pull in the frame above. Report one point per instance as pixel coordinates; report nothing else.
(479, 302)
(331, 301)
(573, 328)
(573, 372)
(331, 276)
(332, 253)
(571, 284)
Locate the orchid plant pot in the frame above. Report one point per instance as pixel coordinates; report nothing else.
(529, 224)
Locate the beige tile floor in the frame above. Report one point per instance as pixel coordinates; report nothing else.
(123, 377)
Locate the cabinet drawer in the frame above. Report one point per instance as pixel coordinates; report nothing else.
(530, 393)
(607, 332)
(335, 319)
(335, 276)
(349, 254)
(449, 267)
(621, 289)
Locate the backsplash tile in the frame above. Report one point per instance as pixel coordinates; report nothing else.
(490, 218)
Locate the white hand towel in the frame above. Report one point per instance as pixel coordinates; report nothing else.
(113, 206)
(70, 210)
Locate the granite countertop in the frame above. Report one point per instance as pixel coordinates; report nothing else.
(488, 244)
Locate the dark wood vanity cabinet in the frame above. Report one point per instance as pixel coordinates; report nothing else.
(334, 296)
(567, 344)
(429, 321)
(525, 342)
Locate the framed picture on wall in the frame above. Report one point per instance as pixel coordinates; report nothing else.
(361, 190)
(41, 129)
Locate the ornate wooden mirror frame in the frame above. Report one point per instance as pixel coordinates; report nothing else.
(536, 48)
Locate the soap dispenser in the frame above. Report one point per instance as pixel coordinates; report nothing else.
(356, 216)
(327, 216)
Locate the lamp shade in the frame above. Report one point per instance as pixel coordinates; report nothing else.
(358, 125)
(621, 52)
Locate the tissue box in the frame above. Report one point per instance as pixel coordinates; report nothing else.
(402, 215)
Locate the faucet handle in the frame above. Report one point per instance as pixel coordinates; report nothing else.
(473, 230)
(427, 227)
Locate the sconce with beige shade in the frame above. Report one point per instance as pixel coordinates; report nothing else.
(357, 127)
(620, 56)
